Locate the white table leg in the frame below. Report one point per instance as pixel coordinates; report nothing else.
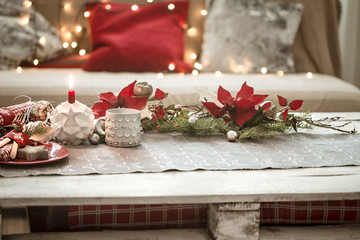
(234, 221)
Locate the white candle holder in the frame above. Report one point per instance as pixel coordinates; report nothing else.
(122, 127)
(72, 122)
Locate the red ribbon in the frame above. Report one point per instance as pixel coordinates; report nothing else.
(7, 114)
(19, 137)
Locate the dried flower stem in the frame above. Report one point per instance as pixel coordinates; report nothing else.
(319, 123)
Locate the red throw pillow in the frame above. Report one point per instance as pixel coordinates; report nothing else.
(148, 39)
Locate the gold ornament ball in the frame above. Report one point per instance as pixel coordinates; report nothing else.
(142, 89)
(231, 136)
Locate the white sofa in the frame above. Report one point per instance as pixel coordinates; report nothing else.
(321, 93)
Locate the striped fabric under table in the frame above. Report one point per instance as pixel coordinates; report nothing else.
(161, 216)
(137, 217)
(310, 213)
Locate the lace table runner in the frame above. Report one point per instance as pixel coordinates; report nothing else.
(162, 152)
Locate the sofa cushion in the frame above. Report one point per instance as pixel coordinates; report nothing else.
(50, 8)
(146, 39)
(26, 35)
(244, 36)
(316, 46)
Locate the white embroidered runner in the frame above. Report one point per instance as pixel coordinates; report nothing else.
(162, 152)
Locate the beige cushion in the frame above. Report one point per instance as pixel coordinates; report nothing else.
(20, 41)
(244, 36)
(316, 46)
(322, 93)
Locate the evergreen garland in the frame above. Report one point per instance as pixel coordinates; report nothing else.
(209, 126)
(247, 116)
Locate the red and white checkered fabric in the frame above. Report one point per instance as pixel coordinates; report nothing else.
(7, 114)
(310, 213)
(5, 152)
(137, 217)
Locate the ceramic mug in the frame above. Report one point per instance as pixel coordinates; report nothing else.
(122, 127)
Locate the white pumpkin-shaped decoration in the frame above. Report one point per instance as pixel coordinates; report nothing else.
(72, 122)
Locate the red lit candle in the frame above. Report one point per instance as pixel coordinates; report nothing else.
(71, 93)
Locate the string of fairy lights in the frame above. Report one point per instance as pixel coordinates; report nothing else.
(77, 33)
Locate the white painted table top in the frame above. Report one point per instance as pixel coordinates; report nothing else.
(187, 187)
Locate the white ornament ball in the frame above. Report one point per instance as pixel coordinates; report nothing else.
(192, 119)
(72, 122)
(231, 136)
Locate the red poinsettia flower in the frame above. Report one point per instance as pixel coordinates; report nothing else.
(160, 112)
(241, 108)
(125, 99)
(294, 105)
(159, 95)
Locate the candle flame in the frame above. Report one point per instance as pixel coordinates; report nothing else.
(71, 82)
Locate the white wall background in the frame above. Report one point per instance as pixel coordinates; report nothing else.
(350, 41)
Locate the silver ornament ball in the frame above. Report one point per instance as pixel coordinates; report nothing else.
(94, 139)
(231, 136)
(177, 106)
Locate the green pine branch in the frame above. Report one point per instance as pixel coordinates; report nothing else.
(39, 129)
(263, 131)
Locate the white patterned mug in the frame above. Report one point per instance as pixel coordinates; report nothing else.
(122, 127)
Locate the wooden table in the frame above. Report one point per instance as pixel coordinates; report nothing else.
(227, 191)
